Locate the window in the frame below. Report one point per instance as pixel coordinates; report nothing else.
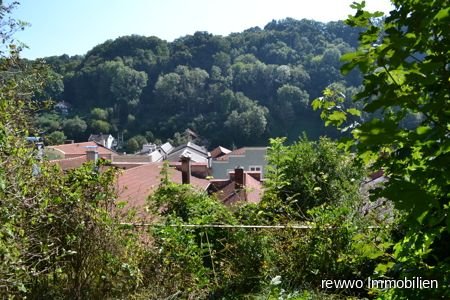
(255, 168)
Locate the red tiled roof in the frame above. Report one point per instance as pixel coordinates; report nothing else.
(70, 163)
(225, 190)
(228, 194)
(253, 189)
(219, 151)
(80, 148)
(240, 151)
(136, 184)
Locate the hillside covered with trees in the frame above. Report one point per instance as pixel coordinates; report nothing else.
(234, 90)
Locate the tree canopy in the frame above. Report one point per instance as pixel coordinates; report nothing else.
(168, 87)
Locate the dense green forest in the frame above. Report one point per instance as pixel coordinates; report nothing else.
(234, 90)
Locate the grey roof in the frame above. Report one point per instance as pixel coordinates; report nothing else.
(195, 157)
(193, 146)
(166, 147)
(196, 152)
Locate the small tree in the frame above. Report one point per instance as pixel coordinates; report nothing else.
(100, 126)
(99, 114)
(307, 174)
(74, 127)
(56, 138)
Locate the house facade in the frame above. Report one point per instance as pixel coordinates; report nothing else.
(251, 159)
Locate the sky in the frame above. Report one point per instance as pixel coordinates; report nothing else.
(76, 26)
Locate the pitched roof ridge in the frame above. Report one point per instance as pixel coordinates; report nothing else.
(142, 166)
(233, 152)
(69, 158)
(65, 148)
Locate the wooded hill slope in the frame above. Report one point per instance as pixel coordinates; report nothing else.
(234, 90)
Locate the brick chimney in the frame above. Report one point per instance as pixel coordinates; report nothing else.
(239, 178)
(91, 153)
(185, 169)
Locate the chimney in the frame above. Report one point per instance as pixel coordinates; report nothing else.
(91, 153)
(185, 169)
(238, 178)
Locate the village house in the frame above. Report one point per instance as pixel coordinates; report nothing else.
(71, 156)
(252, 159)
(62, 107)
(105, 140)
(78, 149)
(157, 153)
(219, 151)
(197, 153)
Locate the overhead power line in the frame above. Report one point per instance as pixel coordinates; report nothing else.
(231, 226)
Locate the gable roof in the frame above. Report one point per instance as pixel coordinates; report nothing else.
(136, 184)
(254, 189)
(226, 192)
(196, 152)
(219, 151)
(193, 146)
(239, 151)
(78, 149)
(166, 147)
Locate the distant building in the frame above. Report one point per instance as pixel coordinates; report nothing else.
(155, 153)
(79, 149)
(71, 156)
(197, 153)
(62, 107)
(150, 153)
(105, 140)
(147, 149)
(191, 136)
(251, 159)
(158, 153)
(219, 151)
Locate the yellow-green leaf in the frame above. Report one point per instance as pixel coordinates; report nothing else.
(354, 111)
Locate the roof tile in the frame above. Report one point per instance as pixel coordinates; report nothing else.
(240, 151)
(136, 184)
(80, 148)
